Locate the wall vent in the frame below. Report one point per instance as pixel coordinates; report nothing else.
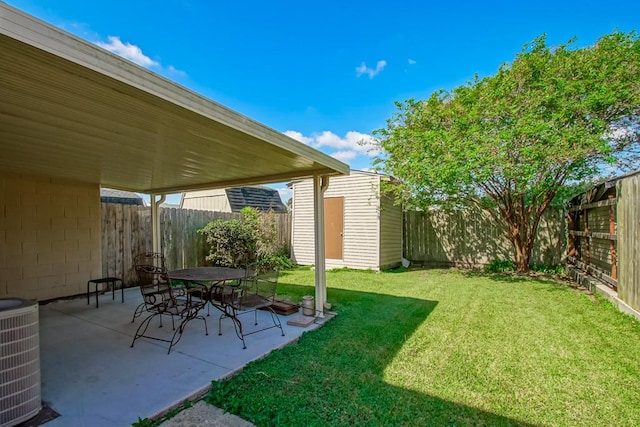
(19, 361)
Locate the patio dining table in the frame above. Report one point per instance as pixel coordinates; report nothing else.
(212, 275)
(216, 279)
(220, 293)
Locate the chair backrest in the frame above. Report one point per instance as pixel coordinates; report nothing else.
(150, 258)
(151, 275)
(155, 285)
(265, 284)
(250, 271)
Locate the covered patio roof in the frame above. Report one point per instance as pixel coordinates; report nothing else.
(72, 110)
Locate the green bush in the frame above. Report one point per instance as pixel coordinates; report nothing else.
(270, 262)
(500, 265)
(251, 239)
(233, 242)
(548, 269)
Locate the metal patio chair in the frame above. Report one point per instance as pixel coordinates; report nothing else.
(255, 292)
(217, 289)
(156, 260)
(159, 299)
(148, 279)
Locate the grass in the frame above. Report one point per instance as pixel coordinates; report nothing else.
(443, 347)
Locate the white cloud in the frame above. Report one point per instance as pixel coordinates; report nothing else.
(371, 72)
(134, 54)
(330, 139)
(361, 143)
(348, 147)
(411, 61)
(128, 51)
(298, 137)
(345, 155)
(285, 193)
(175, 72)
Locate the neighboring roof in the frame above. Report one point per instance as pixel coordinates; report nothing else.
(108, 195)
(71, 110)
(261, 198)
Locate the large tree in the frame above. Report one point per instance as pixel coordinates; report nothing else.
(510, 141)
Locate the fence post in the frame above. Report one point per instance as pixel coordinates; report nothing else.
(612, 244)
(571, 241)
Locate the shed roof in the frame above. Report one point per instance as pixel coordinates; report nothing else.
(261, 198)
(72, 110)
(108, 195)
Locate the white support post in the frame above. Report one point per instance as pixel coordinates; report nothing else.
(156, 242)
(320, 184)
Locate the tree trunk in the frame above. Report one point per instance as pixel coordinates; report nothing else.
(523, 246)
(522, 222)
(522, 232)
(523, 255)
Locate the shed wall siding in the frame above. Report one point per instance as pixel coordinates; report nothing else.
(50, 237)
(361, 221)
(391, 218)
(302, 239)
(208, 200)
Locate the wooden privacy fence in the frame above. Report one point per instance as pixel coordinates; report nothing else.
(592, 238)
(628, 244)
(604, 236)
(126, 231)
(471, 238)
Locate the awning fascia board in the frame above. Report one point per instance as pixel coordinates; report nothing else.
(269, 179)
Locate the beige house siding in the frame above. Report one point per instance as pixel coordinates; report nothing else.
(361, 225)
(210, 200)
(302, 230)
(49, 237)
(363, 237)
(391, 218)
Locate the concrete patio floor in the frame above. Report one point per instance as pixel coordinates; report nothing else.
(92, 377)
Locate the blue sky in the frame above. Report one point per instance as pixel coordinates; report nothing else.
(327, 72)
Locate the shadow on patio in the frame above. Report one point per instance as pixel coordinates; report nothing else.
(91, 376)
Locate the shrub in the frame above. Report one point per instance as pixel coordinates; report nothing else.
(233, 242)
(499, 266)
(253, 238)
(548, 269)
(270, 262)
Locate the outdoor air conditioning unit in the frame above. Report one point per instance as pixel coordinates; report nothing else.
(19, 361)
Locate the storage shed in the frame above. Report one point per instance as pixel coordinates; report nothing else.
(234, 199)
(363, 228)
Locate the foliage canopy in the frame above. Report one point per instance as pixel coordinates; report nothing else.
(242, 241)
(511, 141)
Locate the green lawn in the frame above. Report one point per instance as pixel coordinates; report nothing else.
(444, 347)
